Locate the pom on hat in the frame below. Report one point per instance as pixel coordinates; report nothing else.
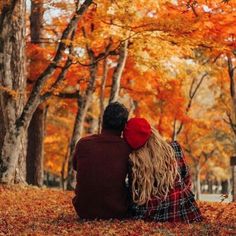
(136, 132)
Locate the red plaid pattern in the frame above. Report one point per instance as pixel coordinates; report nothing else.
(179, 206)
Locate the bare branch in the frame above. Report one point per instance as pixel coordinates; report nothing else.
(64, 70)
(191, 88)
(231, 76)
(192, 93)
(74, 95)
(230, 122)
(198, 85)
(57, 82)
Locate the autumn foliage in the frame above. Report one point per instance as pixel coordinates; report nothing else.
(35, 211)
(174, 48)
(172, 45)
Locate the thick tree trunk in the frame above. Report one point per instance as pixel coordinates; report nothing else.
(13, 167)
(12, 82)
(116, 77)
(102, 92)
(83, 103)
(34, 159)
(36, 20)
(35, 149)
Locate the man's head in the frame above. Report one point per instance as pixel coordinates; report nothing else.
(115, 116)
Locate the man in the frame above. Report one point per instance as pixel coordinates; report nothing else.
(101, 162)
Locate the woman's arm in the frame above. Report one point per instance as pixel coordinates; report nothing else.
(183, 168)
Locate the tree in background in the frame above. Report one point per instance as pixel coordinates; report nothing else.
(35, 147)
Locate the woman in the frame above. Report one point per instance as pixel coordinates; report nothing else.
(159, 180)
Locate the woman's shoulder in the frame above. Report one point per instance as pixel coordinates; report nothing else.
(175, 144)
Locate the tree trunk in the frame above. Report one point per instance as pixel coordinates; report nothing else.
(102, 92)
(35, 149)
(224, 187)
(116, 77)
(34, 159)
(197, 183)
(12, 97)
(231, 72)
(210, 186)
(83, 104)
(90, 120)
(36, 20)
(64, 169)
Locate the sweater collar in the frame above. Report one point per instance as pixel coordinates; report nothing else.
(111, 132)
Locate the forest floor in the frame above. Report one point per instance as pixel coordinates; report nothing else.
(35, 211)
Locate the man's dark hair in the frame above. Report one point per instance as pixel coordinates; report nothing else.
(115, 116)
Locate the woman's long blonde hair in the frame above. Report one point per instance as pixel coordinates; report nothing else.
(154, 169)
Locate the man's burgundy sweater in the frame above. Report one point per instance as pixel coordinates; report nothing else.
(101, 162)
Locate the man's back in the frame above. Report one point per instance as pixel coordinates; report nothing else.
(101, 162)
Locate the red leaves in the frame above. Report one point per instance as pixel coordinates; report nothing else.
(35, 211)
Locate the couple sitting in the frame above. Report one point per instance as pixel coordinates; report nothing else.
(158, 184)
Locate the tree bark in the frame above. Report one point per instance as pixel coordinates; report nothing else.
(12, 97)
(34, 159)
(36, 20)
(35, 148)
(116, 77)
(90, 120)
(225, 187)
(102, 91)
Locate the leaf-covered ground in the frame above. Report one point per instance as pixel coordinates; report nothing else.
(35, 211)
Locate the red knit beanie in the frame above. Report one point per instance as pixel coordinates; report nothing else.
(136, 132)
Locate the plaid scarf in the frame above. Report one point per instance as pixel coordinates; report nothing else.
(179, 205)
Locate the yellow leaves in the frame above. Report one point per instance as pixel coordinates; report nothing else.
(52, 139)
